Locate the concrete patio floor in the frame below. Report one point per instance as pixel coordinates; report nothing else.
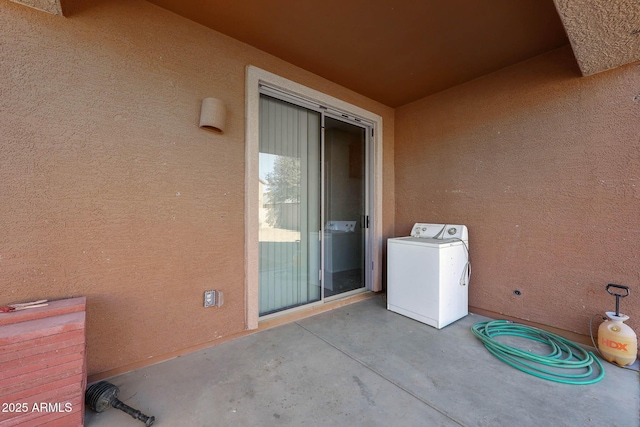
(361, 365)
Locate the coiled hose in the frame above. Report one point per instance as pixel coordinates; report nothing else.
(560, 365)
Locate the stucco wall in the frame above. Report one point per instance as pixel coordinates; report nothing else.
(604, 34)
(110, 190)
(544, 167)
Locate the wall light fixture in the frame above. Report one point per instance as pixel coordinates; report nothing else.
(213, 114)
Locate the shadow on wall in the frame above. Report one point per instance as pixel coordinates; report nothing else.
(71, 8)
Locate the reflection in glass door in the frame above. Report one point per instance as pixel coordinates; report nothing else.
(289, 171)
(345, 216)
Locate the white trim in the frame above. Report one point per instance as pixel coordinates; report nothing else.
(256, 76)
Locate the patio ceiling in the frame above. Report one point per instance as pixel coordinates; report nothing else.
(393, 51)
(398, 51)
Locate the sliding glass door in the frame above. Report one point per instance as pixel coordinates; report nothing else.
(289, 171)
(313, 206)
(345, 216)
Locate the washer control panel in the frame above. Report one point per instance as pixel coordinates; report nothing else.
(440, 231)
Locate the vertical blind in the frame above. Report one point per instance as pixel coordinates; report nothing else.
(289, 245)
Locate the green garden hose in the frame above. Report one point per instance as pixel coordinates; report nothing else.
(559, 365)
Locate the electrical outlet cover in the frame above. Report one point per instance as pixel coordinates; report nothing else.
(209, 298)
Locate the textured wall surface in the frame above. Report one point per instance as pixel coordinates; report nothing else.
(604, 34)
(49, 6)
(544, 168)
(110, 190)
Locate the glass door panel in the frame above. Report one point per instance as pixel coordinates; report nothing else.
(344, 207)
(289, 219)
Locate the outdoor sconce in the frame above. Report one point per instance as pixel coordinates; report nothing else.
(213, 114)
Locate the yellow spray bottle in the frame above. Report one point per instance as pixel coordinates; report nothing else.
(617, 342)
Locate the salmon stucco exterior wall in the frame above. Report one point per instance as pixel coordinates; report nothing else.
(110, 190)
(544, 168)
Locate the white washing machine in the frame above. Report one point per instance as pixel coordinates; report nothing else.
(428, 274)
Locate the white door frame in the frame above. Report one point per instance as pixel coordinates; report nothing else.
(255, 77)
